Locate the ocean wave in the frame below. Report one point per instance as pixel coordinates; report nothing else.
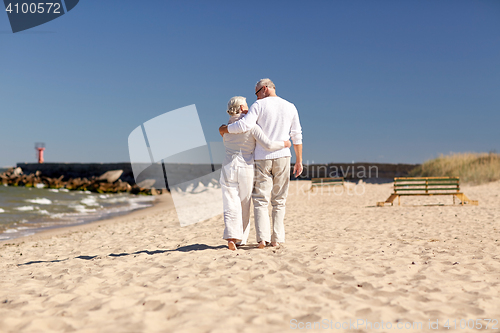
(90, 201)
(52, 209)
(82, 209)
(25, 208)
(116, 200)
(58, 215)
(129, 200)
(40, 201)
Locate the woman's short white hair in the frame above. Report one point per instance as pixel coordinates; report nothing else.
(233, 106)
(266, 83)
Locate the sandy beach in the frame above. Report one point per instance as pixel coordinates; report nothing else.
(345, 261)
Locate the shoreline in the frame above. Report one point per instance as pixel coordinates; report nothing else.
(60, 230)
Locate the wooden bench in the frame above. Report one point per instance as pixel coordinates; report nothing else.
(317, 182)
(406, 186)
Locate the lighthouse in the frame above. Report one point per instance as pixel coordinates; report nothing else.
(40, 147)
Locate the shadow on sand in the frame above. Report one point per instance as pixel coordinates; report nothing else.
(187, 248)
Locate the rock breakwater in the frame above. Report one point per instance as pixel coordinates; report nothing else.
(108, 182)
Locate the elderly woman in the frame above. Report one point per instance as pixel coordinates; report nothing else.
(237, 173)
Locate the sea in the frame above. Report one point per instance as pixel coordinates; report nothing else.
(26, 211)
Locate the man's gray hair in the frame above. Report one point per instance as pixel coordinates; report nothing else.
(233, 106)
(265, 82)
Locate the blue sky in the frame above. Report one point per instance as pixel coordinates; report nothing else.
(374, 81)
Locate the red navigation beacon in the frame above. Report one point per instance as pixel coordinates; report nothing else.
(40, 147)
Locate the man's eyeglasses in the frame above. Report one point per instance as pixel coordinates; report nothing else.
(259, 90)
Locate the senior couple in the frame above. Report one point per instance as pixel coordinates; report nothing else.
(257, 165)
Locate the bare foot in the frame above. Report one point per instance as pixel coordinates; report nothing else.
(262, 244)
(231, 245)
(275, 244)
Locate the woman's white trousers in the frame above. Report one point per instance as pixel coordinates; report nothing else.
(237, 183)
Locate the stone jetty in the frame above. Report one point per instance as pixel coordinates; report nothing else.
(108, 182)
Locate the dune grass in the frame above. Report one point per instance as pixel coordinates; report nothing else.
(472, 168)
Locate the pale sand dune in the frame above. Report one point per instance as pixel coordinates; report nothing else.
(344, 260)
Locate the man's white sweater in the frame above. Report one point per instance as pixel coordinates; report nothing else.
(278, 119)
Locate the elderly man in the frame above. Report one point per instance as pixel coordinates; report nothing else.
(279, 120)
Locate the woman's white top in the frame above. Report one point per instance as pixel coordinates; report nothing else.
(240, 147)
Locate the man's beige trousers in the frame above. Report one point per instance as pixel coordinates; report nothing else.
(272, 178)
